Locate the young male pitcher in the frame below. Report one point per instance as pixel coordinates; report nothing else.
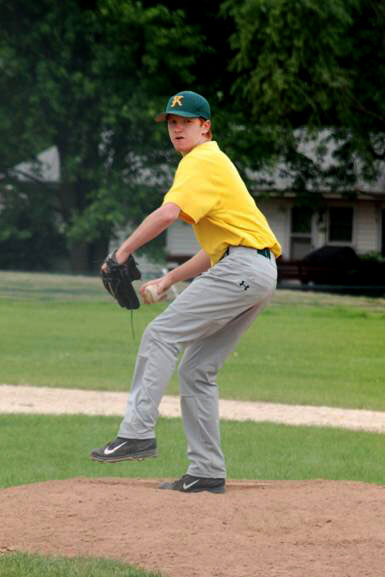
(234, 278)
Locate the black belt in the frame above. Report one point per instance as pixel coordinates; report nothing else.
(263, 251)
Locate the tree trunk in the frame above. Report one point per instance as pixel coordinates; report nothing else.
(87, 257)
(79, 261)
(98, 250)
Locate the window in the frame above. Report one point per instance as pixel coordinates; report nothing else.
(341, 224)
(301, 220)
(300, 241)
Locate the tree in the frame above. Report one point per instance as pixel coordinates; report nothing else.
(30, 237)
(88, 77)
(312, 65)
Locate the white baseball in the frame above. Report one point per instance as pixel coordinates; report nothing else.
(151, 294)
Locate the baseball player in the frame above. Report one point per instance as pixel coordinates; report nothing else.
(234, 279)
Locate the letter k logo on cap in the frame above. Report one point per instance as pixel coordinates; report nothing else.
(177, 100)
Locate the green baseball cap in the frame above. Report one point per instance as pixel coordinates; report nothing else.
(188, 104)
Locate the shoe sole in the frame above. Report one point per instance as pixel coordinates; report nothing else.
(217, 490)
(136, 457)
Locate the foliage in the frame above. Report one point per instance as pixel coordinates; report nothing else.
(314, 65)
(294, 87)
(373, 257)
(29, 236)
(90, 75)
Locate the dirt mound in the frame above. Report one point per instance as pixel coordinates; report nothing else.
(256, 529)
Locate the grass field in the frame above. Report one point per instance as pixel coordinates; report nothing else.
(305, 348)
(22, 565)
(52, 447)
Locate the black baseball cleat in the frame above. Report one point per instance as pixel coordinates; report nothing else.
(125, 450)
(191, 484)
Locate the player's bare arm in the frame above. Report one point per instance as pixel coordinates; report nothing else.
(197, 264)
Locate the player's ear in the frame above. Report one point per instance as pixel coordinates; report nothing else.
(206, 125)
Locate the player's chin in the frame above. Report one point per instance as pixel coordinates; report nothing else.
(181, 146)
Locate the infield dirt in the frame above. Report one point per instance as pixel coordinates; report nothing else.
(256, 529)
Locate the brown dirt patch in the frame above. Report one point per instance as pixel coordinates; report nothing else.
(256, 529)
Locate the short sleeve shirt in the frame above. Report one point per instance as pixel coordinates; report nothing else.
(213, 198)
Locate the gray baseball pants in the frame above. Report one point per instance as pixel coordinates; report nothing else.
(205, 321)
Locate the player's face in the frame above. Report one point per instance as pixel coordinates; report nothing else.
(186, 133)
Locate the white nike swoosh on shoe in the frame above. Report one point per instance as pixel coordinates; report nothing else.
(187, 486)
(108, 451)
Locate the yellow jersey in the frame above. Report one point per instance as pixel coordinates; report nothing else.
(213, 198)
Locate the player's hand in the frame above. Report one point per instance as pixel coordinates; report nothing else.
(161, 284)
(119, 259)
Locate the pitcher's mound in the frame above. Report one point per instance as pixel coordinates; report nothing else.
(256, 529)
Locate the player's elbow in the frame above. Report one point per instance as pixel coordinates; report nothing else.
(168, 213)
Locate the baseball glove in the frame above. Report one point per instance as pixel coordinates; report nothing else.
(118, 281)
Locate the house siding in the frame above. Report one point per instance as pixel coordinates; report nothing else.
(366, 227)
(181, 240)
(278, 217)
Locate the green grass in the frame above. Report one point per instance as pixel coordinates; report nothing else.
(311, 355)
(41, 448)
(305, 348)
(23, 565)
